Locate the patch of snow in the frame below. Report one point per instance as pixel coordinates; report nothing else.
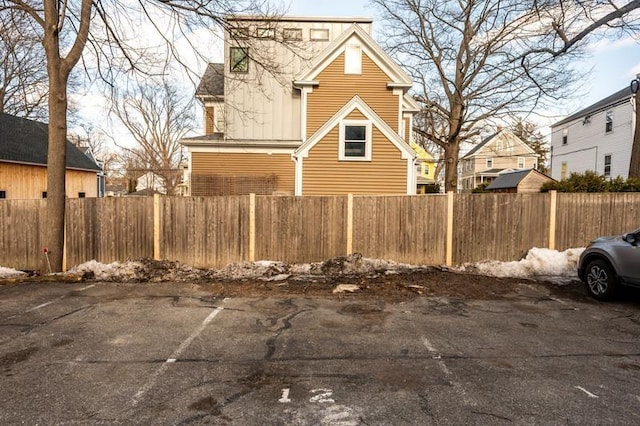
(538, 263)
(10, 273)
(346, 288)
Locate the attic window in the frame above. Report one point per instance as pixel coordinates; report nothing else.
(266, 32)
(608, 122)
(239, 33)
(353, 59)
(294, 34)
(319, 34)
(239, 59)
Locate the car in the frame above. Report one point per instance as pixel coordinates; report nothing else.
(610, 262)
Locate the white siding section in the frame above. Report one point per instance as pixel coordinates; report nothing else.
(269, 109)
(588, 143)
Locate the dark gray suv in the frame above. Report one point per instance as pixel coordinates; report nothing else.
(608, 262)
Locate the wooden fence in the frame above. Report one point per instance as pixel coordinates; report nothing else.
(214, 231)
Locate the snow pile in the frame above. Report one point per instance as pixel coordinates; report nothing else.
(10, 273)
(539, 262)
(138, 271)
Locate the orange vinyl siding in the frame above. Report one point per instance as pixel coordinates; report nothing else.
(324, 174)
(25, 182)
(336, 89)
(246, 164)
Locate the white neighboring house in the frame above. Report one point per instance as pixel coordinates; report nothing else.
(597, 138)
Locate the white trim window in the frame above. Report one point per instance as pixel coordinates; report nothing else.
(355, 140)
(319, 34)
(352, 59)
(607, 165)
(489, 164)
(521, 162)
(608, 122)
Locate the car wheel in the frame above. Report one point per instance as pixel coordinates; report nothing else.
(601, 280)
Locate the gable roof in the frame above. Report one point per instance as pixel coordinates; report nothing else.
(611, 100)
(397, 75)
(26, 141)
(512, 179)
(356, 103)
(212, 82)
(487, 140)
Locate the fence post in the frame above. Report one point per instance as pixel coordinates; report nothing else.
(252, 227)
(449, 258)
(349, 224)
(156, 226)
(553, 202)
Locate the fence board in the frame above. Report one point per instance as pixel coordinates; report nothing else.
(300, 230)
(404, 229)
(109, 229)
(205, 231)
(499, 226)
(22, 223)
(582, 217)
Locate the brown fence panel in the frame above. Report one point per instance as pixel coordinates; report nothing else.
(498, 226)
(401, 228)
(205, 231)
(109, 229)
(300, 230)
(582, 216)
(22, 223)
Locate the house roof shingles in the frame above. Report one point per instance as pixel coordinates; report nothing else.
(26, 141)
(619, 96)
(212, 82)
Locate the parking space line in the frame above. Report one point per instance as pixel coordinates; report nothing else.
(35, 308)
(443, 367)
(174, 356)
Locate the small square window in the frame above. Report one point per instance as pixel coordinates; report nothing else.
(319, 34)
(82, 195)
(294, 34)
(608, 122)
(239, 33)
(3, 194)
(44, 194)
(266, 32)
(239, 59)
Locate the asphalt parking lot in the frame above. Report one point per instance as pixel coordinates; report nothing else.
(108, 353)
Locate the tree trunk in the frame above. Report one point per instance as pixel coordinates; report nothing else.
(451, 151)
(634, 167)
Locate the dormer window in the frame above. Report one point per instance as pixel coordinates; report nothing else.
(353, 59)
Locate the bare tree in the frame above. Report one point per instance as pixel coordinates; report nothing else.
(67, 27)
(23, 79)
(157, 118)
(482, 60)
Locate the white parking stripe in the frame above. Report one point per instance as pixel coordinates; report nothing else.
(35, 308)
(457, 386)
(174, 356)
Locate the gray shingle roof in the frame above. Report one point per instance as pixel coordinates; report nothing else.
(621, 95)
(212, 82)
(480, 145)
(26, 141)
(509, 180)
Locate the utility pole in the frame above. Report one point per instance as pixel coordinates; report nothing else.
(634, 166)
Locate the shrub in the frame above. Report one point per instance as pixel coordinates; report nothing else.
(590, 181)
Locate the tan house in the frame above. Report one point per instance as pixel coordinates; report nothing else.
(501, 152)
(23, 162)
(519, 181)
(334, 119)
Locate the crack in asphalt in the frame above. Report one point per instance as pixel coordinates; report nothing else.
(286, 324)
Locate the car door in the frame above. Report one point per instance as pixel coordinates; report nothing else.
(627, 257)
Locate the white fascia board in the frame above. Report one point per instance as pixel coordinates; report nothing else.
(298, 176)
(357, 103)
(409, 104)
(411, 177)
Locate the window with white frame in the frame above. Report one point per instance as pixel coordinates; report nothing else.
(608, 122)
(565, 136)
(607, 165)
(355, 140)
(319, 34)
(489, 163)
(521, 162)
(352, 59)
(425, 169)
(563, 170)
